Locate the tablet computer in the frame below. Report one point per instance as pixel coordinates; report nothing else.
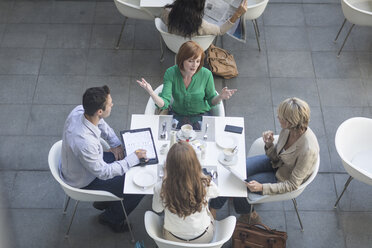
(140, 139)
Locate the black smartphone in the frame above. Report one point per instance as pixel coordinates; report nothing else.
(233, 129)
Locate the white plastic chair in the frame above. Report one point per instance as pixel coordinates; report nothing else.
(217, 110)
(54, 158)
(222, 233)
(357, 12)
(354, 145)
(131, 9)
(257, 148)
(174, 42)
(255, 9)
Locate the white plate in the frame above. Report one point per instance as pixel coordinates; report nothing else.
(144, 179)
(221, 159)
(227, 141)
(181, 137)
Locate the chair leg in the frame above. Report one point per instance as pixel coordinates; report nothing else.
(339, 31)
(228, 206)
(72, 218)
(347, 36)
(345, 187)
(298, 216)
(127, 219)
(250, 214)
(65, 203)
(121, 33)
(161, 50)
(256, 32)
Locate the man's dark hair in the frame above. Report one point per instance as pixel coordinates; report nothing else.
(94, 99)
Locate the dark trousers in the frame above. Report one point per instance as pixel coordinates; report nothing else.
(114, 212)
(258, 168)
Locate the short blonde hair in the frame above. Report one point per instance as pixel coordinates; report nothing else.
(295, 111)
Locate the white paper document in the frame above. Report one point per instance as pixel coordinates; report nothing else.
(236, 174)
(139, 140)
(215, 9)
(219, 11)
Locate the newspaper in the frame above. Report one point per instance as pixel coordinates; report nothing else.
(219, 11)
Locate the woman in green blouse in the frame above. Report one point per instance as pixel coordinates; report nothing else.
(189, 83)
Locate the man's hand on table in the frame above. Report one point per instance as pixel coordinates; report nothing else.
(141, 154)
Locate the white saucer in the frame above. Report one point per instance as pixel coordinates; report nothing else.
(144, 179)
(198, 143)
(227, 141)
(181, 137)
(222, 160)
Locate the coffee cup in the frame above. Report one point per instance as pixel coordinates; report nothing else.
(186, 130)
(228, 154)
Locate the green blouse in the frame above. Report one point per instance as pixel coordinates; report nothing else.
(196, 99)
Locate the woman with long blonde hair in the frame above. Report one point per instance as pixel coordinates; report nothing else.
(183, 196)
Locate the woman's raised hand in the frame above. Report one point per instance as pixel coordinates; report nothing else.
(268, 138)
(239, 12)
(227, 93)
(144, 84)
(242, 8)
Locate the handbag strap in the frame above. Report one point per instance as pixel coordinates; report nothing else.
(262, 225)
(214, 50)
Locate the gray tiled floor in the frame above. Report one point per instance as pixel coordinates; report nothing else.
(51, 51)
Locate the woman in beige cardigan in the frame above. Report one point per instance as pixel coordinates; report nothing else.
(286, 165)
(185, 18)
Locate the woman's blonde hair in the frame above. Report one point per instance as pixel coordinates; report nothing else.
(190, 49)
(184, 187)
(296, 112)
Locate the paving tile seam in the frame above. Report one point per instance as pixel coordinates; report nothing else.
(302, 3)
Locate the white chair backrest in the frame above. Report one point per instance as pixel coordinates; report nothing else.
(75, 193)
(358, 12)
(353, 138)
(255, 9)
(174, 42)
(154, 228)
(257, 148)
(132, 9)
(285, 196)
(150, 106)
(218, 110)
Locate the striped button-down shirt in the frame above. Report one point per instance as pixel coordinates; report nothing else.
(82, 152)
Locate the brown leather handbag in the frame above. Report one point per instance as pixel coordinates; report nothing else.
(221, 62)
(257, 236)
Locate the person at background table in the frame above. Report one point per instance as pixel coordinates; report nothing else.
(84, 164)
(286, 165)
(183, 196)
(185, 18)
(189, 84)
